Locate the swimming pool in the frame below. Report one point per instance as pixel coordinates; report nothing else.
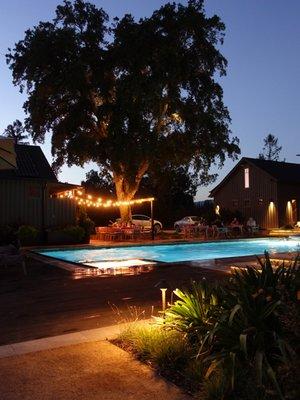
(174, 252)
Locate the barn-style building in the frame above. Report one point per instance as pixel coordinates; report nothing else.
(26, 192)
(268, 191)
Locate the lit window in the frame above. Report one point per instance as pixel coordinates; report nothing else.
(246, 177)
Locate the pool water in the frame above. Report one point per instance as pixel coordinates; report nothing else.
(177, 252)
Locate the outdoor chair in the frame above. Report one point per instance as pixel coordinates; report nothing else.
(211, 232)
(223, 231)
(10, 255)
(188, 231)
(128, 233)
(254, 230)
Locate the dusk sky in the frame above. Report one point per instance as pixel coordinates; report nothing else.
(261, 89)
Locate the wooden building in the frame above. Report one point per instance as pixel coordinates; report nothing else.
(268, 191)
(26, 192)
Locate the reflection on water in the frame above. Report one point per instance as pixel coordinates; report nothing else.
(114, 270)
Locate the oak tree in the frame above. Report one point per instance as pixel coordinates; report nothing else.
(127, 94)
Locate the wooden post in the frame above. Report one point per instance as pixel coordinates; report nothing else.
(43, 211)
(152, 221)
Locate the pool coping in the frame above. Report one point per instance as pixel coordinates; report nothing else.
(147, 243)
(53, 342)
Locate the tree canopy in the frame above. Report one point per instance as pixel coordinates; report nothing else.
(16, 131)
(128, 95)
(100, 182)
(271, 150)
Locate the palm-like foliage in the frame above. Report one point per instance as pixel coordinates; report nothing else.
(248, 334)
(196, 310)
(273, 281)
(238, 327)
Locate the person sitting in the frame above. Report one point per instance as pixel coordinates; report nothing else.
(211, 229)
(201, 226)
(235, 225)
(220, 228)
(251, 225)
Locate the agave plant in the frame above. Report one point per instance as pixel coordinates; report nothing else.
(273, 280)
(195, 311)
(248, 334)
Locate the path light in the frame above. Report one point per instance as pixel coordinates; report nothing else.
(163, 285)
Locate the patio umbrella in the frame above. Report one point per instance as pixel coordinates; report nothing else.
(7, 153)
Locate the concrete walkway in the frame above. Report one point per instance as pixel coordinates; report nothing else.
(88, 371)
(53, 342)
(78, 366)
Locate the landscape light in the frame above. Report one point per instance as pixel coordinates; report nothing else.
(163, 285)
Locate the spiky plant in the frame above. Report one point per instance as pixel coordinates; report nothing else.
(248, 333)
(195, 311)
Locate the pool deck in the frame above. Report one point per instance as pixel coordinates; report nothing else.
(55, 299)
(51, 301)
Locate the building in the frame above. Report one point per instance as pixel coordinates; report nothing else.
(27, 193)
(268, 191)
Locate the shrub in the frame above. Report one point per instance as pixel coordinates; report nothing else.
(239, 328)
(75, 232)
(86, 223)
(27, 234)
(236, 340)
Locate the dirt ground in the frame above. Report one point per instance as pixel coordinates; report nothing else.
(48, 301)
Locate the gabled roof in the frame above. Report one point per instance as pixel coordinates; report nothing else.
(279, 170)
(31, 163)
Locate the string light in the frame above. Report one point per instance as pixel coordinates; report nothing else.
(93, 201)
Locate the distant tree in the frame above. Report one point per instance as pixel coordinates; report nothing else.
(271, 150)
(128, 95)
(100, 183)
(174, 189)
(16, 131)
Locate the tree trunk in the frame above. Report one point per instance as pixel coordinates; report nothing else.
(125, 213)
(126, 191)
(124, 194)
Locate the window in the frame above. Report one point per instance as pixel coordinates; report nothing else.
(140, 217)
(247, 203)
(260, 202)
(246, 178)
(235, 203)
